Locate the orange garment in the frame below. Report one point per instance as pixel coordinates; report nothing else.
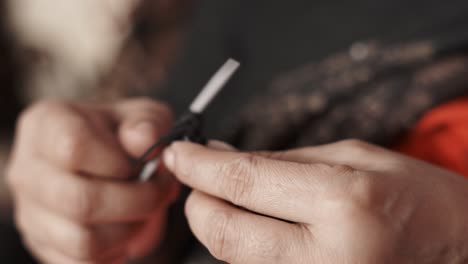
(441, 137)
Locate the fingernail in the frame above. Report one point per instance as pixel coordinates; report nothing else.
(169, 158)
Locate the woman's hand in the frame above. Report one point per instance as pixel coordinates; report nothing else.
(348, 202)
(71, 178)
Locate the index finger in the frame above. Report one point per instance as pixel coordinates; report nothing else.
(281, 189)
(65, 135)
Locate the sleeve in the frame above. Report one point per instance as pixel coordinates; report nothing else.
(441, 137)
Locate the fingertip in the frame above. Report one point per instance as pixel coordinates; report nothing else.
(175, 156)
(169, 158)
(199, 203)
(191, 203)
(137, 137)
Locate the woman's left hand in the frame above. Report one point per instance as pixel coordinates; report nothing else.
(348, 202)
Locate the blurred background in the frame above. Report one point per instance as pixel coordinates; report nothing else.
(83, 49)
(109, 49)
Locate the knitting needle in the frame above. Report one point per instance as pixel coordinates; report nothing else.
(204, 98)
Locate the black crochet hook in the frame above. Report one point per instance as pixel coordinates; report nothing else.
(189, 126)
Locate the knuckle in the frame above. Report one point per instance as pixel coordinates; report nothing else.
(37, 110)
(71, 134)
(237, 178)
(354, 189)
(363, 192)
(40, 110)
(221, 237)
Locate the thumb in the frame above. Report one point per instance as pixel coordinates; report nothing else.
(141, 123)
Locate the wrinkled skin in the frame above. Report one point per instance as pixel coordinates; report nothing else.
(348, 202)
